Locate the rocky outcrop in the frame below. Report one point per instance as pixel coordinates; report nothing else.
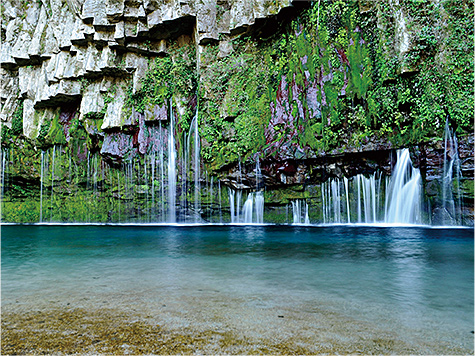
(83, 61)
(57, 52)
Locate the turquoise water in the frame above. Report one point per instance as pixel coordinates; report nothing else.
(415, 282)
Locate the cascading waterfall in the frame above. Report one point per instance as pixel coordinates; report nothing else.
(451, 203)
(259, 196)
(247, 209)
(235, 198)
(345, 181)
(332, 207)
(152, 172)
(118, 195)
(298, 214)
(162, 174)
(52, 184)
(41, 183)
(220, 202)
(139, 190)
(235, 204)
(195, 164)
(403, 199)
(370, 189)
(171, 170)
(232, 207)
(259, 199)
(341, 198)
(252, 211)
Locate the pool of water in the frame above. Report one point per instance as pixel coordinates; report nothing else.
(413, 282)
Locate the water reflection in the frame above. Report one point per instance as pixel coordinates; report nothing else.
(409, 266)
(415, 273)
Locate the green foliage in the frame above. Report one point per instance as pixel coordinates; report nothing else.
(55, 134)
(17, 120)
(361, 92)
(173, 75)
(234, 102)
(11, 134)
(84, 83)
(363, 88)
(41, 140)
(459, 64)
(413, 109)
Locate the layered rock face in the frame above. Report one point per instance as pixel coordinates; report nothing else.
(63, 53)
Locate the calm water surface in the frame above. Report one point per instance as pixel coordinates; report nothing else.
(420, 280)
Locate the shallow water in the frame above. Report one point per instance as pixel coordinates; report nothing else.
(415, 284)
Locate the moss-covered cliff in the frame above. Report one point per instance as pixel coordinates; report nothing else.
(312, 90)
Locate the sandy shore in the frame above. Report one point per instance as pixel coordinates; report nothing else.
(69, 330)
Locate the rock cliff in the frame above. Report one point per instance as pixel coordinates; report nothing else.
(62, 53)
(312, 90)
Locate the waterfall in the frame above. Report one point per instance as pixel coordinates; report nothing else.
(297, 212)
(352, 200)
(345, 180)
(238, 205)
(451, 206)
(41, 184)
(247, 209)
(341, 198)
(118, 193)
(171, 170)
(152, 171)
(253, 209)
(234, 204)
(231, 193)
(307, 219)
(259, 196)
(259, 200)
(331, 199)
(403, 200)
(220, 204)
(196, 165)
(162, 174)
(52, 184)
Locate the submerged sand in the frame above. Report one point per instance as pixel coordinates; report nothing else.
(76, 330)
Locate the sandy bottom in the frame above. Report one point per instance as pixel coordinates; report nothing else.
(151, 291)
(223, 328)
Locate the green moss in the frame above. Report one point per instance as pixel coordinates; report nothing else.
(467, 187)
(9, 135)
(41, 139)
(173, 75)
(17, 120)
(55, 134)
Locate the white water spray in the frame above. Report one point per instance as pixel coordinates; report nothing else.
(403, 200)
(171, 170)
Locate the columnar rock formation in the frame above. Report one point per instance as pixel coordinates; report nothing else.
(58, 53)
